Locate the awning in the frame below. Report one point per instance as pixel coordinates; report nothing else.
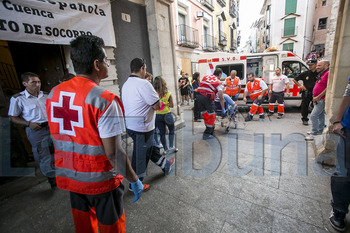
(55, 22)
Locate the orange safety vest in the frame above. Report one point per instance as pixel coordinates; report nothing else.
(73, 110)
(231, 87)
(208, 85)
(254, 88)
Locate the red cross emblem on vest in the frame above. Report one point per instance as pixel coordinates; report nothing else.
(66, 114)
(211, 79)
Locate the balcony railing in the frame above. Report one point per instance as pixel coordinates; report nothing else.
(233, 11)
(208, 4)
(221, 2)
(187, 36)
(233, 44)
(289, 31)
(208, 43)
(222, 39)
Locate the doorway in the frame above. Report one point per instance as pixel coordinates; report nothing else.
(131, 32)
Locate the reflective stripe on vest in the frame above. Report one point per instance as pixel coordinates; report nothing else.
(211, 86)
(77, 148)
(255, 90)
(231, 87)
(86, 177)
(95, 101)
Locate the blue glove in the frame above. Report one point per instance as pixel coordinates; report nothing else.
(236, 96)
(223, 111)
(137, 188)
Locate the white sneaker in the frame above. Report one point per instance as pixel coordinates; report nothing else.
(172, 150)
(309, 138)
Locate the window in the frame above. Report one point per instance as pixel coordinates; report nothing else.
(293, 68)
(182, 28)
(289, 27)
(206, 34)
(228, 68)
(291, 7)
(322, 23)
(288, 47)
(268, 15)
(324, 2)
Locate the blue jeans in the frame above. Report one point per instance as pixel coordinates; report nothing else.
(318, 118)
(343, 155)
(228, 100)
(340, 181)
(41, 142)
(162, 121)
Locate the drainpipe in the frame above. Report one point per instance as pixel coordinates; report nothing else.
(305, 39)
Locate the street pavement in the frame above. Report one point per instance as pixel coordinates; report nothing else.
(260, 177)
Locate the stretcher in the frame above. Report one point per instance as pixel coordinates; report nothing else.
(231, 112)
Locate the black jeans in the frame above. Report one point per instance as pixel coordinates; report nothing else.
(196, 113)
(306, 100)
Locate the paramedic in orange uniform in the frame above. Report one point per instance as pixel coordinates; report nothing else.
(256, 88)
(233, 86)
(86, 122)
(206, 93)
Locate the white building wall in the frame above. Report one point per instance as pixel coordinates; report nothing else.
(301, 24)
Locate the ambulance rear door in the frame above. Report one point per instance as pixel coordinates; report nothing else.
(270, 62)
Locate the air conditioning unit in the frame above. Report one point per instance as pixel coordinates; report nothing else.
(200, 14)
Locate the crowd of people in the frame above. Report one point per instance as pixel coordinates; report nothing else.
(85, 126)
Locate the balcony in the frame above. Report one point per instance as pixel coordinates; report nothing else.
(208, 43)
(222, 3)
(187, 36)
(289, 31)
(222, 39)
(233, 11)
(208, 4)
(233, 44)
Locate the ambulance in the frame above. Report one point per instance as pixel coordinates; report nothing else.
(263, 65)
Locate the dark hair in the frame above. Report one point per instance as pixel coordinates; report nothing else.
(160, 86)
(195, 76)
(217, 71)
(68, 76)
(250, 73)
(25, 76)
(84, 51)
(136, 64)
(278, 68)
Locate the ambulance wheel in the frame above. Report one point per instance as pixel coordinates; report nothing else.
(227, 129)
(222, 124)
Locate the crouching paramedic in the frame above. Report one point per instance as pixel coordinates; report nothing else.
(85, 125)
(208, 87)
(256, 88)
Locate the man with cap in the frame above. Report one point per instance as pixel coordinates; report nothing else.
(309, 78)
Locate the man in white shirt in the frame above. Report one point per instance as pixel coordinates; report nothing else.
(276, 90)
(140, 101)
(27, 109)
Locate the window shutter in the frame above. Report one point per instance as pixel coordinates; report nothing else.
(291, 6)
(289, 27)
(288, 47)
